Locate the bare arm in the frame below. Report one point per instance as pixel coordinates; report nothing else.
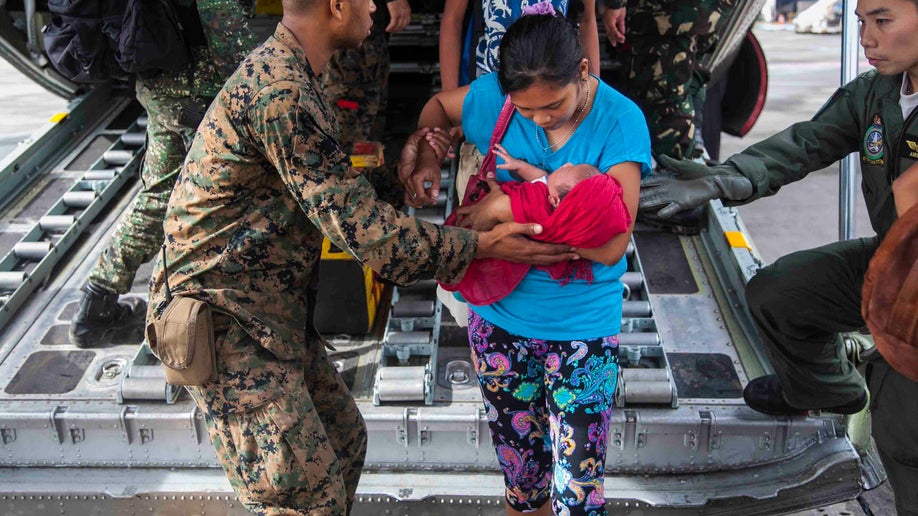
(451, 43)
(629, 175)
(589, 35)
(443, 112)
(905, 190)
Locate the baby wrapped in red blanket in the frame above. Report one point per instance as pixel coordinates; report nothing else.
(591, 214)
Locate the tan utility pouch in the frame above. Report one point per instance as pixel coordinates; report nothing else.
(183, 339)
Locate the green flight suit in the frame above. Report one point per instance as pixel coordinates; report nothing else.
(800, 302)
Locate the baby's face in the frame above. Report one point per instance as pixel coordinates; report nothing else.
(564, 178)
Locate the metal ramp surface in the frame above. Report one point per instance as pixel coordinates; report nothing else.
(680, 436)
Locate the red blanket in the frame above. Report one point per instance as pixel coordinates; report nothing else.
(589, 216)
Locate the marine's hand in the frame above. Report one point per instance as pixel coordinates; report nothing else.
(399, 15)
(614, 21)
(509, 241)
(692, 185)
(490, 211)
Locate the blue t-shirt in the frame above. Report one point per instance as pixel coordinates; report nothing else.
(613, 132)
(498, 15)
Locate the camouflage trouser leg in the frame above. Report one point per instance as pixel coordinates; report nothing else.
(663, 74)
(139, 234)
(355, 85)
(660, 76)
(300, 453)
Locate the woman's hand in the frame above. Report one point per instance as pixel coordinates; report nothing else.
(490, 211)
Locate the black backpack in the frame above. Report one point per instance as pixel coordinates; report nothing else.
(98, 40)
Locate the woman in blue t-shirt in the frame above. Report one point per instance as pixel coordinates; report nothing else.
(547, 354)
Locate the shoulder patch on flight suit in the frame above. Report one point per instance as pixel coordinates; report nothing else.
(874, 143)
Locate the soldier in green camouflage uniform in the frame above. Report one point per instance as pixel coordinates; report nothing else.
(662, 74)
(264, 182)
(175, 103)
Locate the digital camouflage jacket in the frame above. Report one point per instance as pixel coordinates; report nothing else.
(264, 180)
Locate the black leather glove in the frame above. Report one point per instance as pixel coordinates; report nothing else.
(691, 185)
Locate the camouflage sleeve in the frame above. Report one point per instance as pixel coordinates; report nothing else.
(385, 182)
(341, 202)
(226, 28)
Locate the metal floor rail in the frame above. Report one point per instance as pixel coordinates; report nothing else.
(72, 189)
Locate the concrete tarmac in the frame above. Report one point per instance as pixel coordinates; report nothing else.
(804, 70)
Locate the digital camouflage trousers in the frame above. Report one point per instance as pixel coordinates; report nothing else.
(288, 433)
(139, 233)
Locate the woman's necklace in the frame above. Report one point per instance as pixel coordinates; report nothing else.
(570, 131)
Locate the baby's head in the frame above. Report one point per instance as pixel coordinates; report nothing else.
(566, 177)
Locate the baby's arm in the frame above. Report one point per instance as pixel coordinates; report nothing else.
(522, 168)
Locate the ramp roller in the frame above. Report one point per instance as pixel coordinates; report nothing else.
(118, 157)
(12, 280)
(633, 280)
(413, 308)
(99, 175)
(644, 386)
(401, 383)
(408, 338)
(79, 199)
(639, 339)
(32, 251)
(56, 223)
(134, 139)
(636, 309)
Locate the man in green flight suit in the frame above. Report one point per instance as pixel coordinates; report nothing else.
(264, 182)
(802, 301)
(175, 102)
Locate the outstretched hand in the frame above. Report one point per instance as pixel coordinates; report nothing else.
(690, 185)
(509, 241)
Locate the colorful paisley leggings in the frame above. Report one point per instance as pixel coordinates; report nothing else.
(549, 404)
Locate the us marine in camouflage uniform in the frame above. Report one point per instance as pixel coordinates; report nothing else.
(355, 80)
(264, 182)
(175, 102)
(662, 74)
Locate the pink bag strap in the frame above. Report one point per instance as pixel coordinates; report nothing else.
(503, 121)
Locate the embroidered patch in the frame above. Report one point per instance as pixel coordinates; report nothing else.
(911, 150)
(874, 146)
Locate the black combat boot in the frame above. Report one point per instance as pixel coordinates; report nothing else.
(101, 310)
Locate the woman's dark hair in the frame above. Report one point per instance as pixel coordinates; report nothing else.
(538, 47)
